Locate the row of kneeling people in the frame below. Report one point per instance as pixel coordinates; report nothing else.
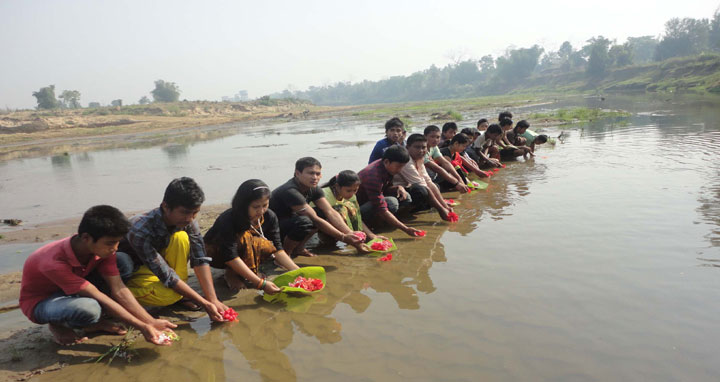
(115, 267)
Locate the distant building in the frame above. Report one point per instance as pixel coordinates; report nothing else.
(241, 96)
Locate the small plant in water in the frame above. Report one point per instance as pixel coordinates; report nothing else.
(122, 350)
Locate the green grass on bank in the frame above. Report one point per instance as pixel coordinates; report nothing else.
(580, 114)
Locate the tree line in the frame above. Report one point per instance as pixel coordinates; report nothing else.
(70, 99)
(495, 75)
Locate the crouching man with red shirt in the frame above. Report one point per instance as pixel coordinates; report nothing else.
(56, 290)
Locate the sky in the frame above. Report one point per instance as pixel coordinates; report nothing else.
(116, 49)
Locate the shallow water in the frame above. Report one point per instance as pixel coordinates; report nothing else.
(594, 262)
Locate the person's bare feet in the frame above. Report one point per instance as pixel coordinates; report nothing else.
(106, 326)
(234, 281)
(305, 252)
(65, 336)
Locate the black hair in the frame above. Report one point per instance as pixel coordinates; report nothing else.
(394, 122)
(522, 124)
(306, 162)
(506, 122)
(542, 138)
(449, 126)
(343, 179)
(467, 131)
(494, 129)
(430, 129)
(415, 138)
(460, 138)
(103, 220)
(396, 153)
(504, 115)
(249, 191)
(183, 192)
(481, 121)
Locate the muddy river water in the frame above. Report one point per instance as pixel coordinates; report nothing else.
(596, 261)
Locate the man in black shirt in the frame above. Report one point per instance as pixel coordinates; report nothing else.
(299, 221)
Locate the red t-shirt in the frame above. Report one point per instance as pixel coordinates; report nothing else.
(54, 267)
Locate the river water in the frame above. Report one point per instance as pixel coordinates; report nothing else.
(595, 261)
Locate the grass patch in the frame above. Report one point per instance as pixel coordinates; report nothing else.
(581, 114)
(454, 115)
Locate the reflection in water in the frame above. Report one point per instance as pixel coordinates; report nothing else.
(577, 265)
(61, 161)
(176, 151)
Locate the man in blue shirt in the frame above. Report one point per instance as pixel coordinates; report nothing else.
(393, 136)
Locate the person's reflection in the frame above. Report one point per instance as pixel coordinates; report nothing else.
(193, 358)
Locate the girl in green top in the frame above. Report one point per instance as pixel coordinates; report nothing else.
(340, 193)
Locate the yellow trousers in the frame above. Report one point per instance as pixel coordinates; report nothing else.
(147, 288)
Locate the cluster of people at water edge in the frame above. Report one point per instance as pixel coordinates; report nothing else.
(115, 268)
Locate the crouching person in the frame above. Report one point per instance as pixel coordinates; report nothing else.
(298, 221)
(378, 197)
(162, 242)
(56, 287)
(245, 236)
(413, 177)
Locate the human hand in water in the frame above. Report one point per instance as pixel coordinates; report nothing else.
(462, 188)
(412, 231)
(271, 288)
(351, 239)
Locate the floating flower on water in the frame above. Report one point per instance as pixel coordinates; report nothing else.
(309, 284)
(496, 169)
(451, 202)
(387, 257)
(168, 337)
(230, 314)
(381, 245)
(453, 217)
(360, 235)
(420, 233)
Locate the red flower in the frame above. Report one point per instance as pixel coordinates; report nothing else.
(420, 233)
(496, 169)
(502, 165)
(381, 245)
(230, 315)
(308, 284)
(453, 217)
(387, 257)
(360, 235)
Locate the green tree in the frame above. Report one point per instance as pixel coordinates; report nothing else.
(116, 102)
(518, 64)
(621, 55)
(144, 100)
(46, 98)
(70, 99)
(683, 37)
(599, 59)
(165, 91)
(643, 48)
(714, 34)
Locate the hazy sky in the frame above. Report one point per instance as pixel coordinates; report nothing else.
(116, 49)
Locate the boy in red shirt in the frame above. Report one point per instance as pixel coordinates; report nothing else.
(55, 289)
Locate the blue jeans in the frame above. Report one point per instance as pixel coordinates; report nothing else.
(74, 311)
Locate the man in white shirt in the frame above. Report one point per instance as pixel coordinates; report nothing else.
(413, 177)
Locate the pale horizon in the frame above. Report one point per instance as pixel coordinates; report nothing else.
(113, 50)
